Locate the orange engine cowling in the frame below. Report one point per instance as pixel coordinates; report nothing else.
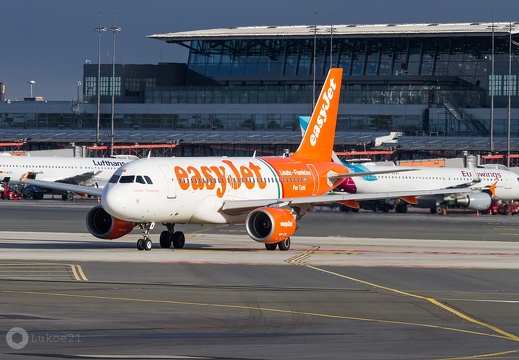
(270, 225)
(105, 226)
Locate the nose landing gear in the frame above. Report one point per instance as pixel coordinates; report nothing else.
(145, 243)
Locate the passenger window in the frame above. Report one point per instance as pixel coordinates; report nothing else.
(127, 179)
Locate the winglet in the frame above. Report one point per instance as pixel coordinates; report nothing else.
(493, 188)
(317, 143)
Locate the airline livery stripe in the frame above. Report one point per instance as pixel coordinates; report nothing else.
(274, 173)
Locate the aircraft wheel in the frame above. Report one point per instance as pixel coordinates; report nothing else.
(38, 195)
(284, 245)
(271, 246)
(439, 209)
(140, 244)
(179, 239)
(147, 244)
(165, 239)
(401, 208)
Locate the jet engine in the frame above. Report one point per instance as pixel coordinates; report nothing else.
(475, 201)
(270, 225)
(105, 226)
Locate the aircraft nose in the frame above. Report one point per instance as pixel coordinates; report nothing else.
(114, 201)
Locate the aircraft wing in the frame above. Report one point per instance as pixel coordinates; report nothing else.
(233, 207)
(76, 179)
(78, 189)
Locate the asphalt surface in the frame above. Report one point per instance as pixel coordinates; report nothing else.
(358, 286)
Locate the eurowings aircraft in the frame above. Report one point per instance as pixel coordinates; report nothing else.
(267, 194)
(484, 183)
(70, 170)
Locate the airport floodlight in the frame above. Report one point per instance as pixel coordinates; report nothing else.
(31, 83)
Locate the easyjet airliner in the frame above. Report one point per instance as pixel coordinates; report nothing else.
(268, 194)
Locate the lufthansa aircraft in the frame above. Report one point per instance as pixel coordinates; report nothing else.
(69, 170)
(268, 194)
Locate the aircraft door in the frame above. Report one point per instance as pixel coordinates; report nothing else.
(170, 181)
(315, 176)
(508, 182)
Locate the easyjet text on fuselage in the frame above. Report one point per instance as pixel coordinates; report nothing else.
(219, 177)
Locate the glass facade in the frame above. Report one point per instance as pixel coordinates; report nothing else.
(376, 70)
(463, 57)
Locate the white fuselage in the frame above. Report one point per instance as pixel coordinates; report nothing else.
(82, 171)
(184, 190)
(507, 182)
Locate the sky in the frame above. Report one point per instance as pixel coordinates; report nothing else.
(49, 41)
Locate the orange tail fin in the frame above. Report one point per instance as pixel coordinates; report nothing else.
(317, 143)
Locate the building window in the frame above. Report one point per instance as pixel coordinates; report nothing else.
(90, 86)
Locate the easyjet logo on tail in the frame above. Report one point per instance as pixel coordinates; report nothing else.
(323, 112)
(321, 127)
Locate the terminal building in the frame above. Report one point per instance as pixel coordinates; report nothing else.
(439, 89)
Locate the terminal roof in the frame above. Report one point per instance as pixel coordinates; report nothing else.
(350, 30)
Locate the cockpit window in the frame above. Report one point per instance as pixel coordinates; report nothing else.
(127, 179)
(114, 179)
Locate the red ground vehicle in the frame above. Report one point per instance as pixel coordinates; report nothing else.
(498, 206)
(9, 193)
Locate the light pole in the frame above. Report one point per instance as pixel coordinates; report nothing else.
(114, 29)
(99, 30)
(78, 86)
(492, 90)
(31, 83)
(509, 89)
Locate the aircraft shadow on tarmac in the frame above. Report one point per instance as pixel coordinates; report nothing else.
(92, 245)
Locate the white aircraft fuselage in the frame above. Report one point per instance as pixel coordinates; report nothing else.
(506, 182)
(76, 170)
(184, 191)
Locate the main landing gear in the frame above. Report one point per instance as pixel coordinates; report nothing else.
(167, 238)
(177, 239)
(171, 236)
(283, 245)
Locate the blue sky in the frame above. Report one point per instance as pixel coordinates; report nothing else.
(48, 41)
